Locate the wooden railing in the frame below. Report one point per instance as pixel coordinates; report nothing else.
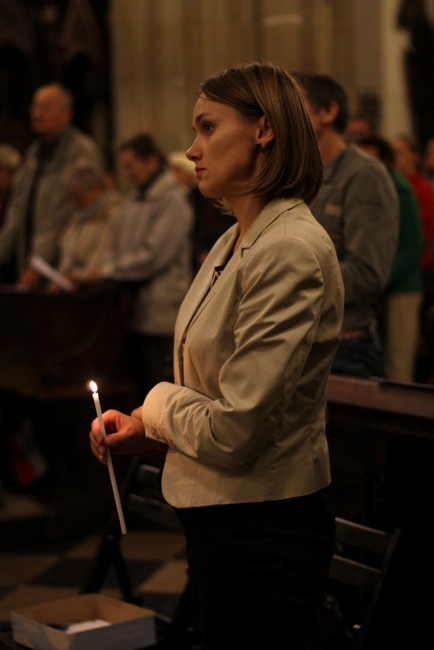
(381, 407)
(51, 345)
(381, 440)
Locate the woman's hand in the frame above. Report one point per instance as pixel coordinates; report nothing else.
(125, 435)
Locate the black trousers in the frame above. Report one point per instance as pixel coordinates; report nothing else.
(258, 570)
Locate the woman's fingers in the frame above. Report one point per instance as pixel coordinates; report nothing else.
(125, 434)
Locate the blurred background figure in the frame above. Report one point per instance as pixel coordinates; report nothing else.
(152, 257)
(428, 161)
(39, 208)
(209, 220)
(10, 160)
(184, 172)
(86, 245)
(358, 207)
(401, 304)
(214, 223)
(409, 163)
(360, 127)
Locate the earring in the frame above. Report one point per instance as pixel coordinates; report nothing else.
(258, 146)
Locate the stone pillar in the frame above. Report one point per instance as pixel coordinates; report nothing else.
(162, 49)
(396, 113)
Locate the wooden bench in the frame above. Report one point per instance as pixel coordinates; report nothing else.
(373, 427)
(51, 345)
(381, 440)
(382, 407)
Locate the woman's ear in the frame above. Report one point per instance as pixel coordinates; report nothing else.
(264, 133)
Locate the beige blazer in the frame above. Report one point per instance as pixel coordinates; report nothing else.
(245, 418)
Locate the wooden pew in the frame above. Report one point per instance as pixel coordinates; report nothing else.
(374, 427)
(51, 345)
(382, 406)
(381, 440)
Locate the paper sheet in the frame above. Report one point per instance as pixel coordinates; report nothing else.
(42, 267)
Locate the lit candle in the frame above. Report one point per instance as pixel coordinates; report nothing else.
(94, 388)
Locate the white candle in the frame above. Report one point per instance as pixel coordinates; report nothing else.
(94, 388)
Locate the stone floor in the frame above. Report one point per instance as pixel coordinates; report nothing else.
(51, 538)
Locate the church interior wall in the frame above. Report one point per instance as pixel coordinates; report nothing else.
(162, 49)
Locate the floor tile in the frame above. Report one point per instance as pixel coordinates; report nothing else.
(152, 545)
(39, 570)
(16, 569)
(29, 595)
(73, 571)
(171, 577)
(17, 507)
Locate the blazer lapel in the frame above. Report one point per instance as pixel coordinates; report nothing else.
(201, 293)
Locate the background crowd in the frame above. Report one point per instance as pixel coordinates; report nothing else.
(145, 230)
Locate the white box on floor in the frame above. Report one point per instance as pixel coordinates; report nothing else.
(96, 622)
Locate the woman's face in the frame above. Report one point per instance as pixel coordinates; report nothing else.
(223, 149)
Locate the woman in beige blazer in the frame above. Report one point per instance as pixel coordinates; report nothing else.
(244, 420)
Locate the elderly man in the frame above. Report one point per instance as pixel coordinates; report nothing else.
(40, 208)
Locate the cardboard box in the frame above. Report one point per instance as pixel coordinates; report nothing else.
(41, 627)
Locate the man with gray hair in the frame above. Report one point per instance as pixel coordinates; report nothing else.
(40, 209)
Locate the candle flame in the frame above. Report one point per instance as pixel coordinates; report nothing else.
(93, 386)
